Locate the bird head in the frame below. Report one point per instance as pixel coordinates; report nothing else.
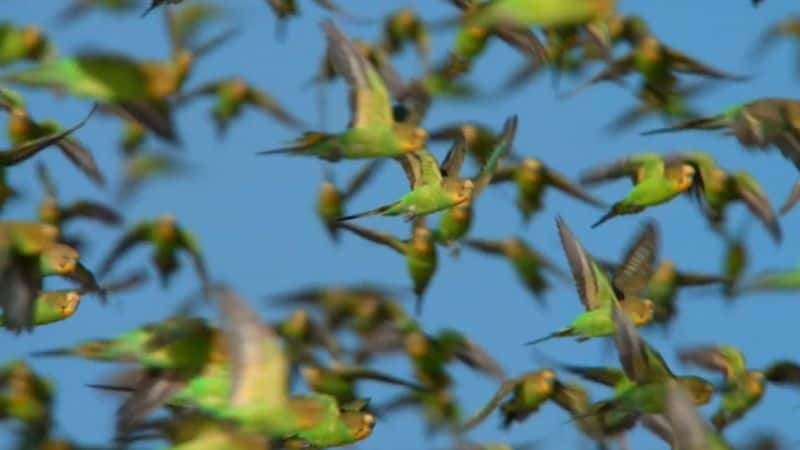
(699, 389)
(49, 211)
(685, 177)
(68, 303)
(665, 271)
(531, 169)
(359, 423)
(312, 376)
(412, 137)
(416, 344)
(34, 41)
(640, 310)
(59, 258)
(460, 191)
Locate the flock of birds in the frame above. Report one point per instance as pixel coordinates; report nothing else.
(229, 385)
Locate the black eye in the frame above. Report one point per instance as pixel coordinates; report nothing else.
(399, 112)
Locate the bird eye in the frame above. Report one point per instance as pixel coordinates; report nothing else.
(399, 112)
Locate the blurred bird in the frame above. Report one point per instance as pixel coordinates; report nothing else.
(791, 200)
(527, 13)
(22, 129)
(435, 187)
(784, 29)
(419, 251)
(23, 43)
(663, 285)
(756, 124)
(26, 397)
(58, 215)
(405, 26)
(532, 178)
(688, 431)
(599, 295)
(167, 238)
(528, 392)
(157, 3)
(721, 188)
(373, 131)
(743, 387)
(529, 264)
(339, 380)
(430, 354)
(231, 96)
(29, 251)
(658, 65)
(78, 9)
(134, 89)
(331, 201)
(144, 167)
(653, 182)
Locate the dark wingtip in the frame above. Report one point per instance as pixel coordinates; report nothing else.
(608, 216)
(54, 352)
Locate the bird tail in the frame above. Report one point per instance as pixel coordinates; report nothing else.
(701, 123)
(53, 352)
(372, 212)
(613, 212)
(306, 140)
(560, 333)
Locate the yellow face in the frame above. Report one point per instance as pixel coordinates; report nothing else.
(470, 133)
(416, 345)
(685, 177)
(237, 89)
(477, 32)
(328, 194)
(412, 138)
(312, 376)
(34, 40)
(531, 170)
(640, 311)
(48, 211)
(362, 423)
(699, 389)
(62, 257)
(650, 49)
(666, 271)
(546, 379)
(71, 302)
(461, 192)
(167, 226)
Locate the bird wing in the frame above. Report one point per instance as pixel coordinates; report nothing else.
(566, 186)
(502, 148)
(378, 237)
(370, 103)
(581, 266)
(139, 233)
(638, 263)
(451, 166)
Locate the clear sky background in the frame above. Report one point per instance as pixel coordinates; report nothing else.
(255, 220)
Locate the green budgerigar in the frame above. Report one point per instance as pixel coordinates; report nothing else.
(759, 124)
(529, 264)
(167, 238)
(435, 187)
(419, 251)
(600, 295)
(373, 131)
(653, 182)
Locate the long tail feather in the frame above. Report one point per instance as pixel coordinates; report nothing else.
(372, 212)
(608, 216)
(542, 339)
(702, 123)
(54, 352)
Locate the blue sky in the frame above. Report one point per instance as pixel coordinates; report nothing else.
(254, 216)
